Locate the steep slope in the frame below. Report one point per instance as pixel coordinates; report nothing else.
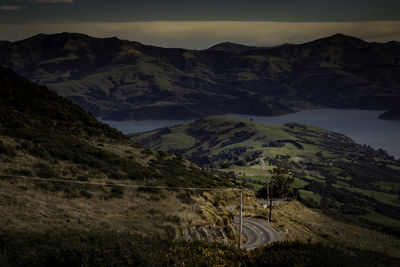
(60, 168)
(119, 80)
(334, 174)
(62, 130)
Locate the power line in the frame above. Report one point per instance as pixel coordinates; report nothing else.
(119, 185)
(141, 186)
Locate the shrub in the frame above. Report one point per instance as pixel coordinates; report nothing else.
(117, 192)
(86, 194)
(147, 152)
(149, 190)
(7, 150)
(78, 248)
(45, 171)
(61, 247)
(82, 178)
(186, 197)
(24, 172)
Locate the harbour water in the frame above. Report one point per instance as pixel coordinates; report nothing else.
(363, 126)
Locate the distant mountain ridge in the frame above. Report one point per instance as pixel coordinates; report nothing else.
(393, 114)
(124, 80)
(232, 47)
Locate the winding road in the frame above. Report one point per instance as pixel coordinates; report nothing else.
(257, 232)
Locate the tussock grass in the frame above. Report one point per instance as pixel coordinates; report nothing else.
(39, 205)
(297, 222)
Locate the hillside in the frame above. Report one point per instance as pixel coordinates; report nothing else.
(334, 174)
(123, 80)
(61, 169)
(62, 203)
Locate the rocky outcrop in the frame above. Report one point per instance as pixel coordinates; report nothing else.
(210, 233)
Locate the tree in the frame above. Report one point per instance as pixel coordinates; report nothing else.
(279, 186)
(281, 181)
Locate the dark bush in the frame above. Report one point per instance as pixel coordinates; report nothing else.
(44, 170)
(117, 192)
(186, 197)
(106, 248)
(86, 194)
(7, 150)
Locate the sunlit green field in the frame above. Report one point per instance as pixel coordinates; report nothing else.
(331, 171)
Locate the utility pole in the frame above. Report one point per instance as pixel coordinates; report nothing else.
(268, 197)
(240, 221)
(270, 205)
(268, 180)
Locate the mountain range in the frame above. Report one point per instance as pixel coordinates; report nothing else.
(125, 80)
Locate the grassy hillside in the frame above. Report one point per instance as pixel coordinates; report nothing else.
(98, 222)
(334, 174)
(121, 80)
(57, 222)
(43, 135)
(297, 222)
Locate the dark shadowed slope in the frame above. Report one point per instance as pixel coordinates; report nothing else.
(35, 121)
(118, 79)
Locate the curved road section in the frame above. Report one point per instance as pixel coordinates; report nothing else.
(257, 232)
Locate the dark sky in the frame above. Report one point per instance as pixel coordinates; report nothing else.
(22, 18)
(150, 10)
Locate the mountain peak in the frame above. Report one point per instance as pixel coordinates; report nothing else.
(340, 39)
(341, 36)
(393, 43)
(57, 35)
(63, 37)
(231, 47)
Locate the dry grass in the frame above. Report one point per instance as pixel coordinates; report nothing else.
(297, 222)
(29, 205)
(39, 206)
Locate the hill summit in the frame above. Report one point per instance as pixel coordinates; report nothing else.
(232, 47)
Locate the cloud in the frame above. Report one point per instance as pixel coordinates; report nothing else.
(54, 1)
(11, 8)
(203, 34)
